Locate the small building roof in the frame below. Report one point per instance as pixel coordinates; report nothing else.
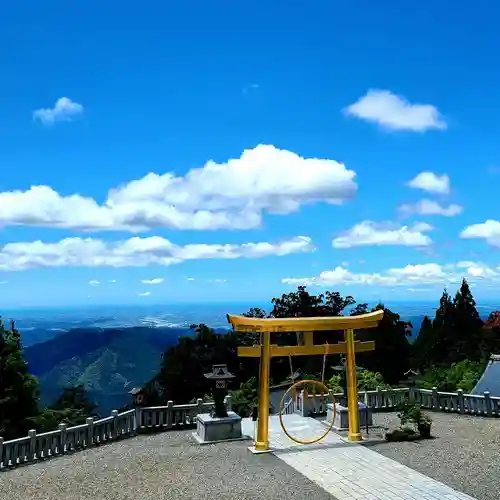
(490, 379)
(136, 390)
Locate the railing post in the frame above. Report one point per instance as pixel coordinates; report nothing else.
(378, 397)
(114, 414)
(487, 403)
(62, 438)
(32, 447)
(435, 399)
(229, 402)
(365, 398)
(90, 432)
(199, 404)
(461, 404)
(1, 451)
(137, 419)
(170, 414)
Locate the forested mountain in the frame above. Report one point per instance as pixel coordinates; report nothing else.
(106, 362)
(88, 365)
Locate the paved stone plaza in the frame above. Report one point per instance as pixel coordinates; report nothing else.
(169, 465)
(350, 471)
(163, 466)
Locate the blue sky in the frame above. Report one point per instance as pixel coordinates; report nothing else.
(351, 147)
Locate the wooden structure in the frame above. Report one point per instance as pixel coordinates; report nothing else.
(265, 351)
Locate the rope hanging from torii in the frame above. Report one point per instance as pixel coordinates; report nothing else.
(293, 391)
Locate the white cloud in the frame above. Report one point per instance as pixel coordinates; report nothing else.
(134, 252)
(410, 275)
(64, 110)
(369, 233)
(488, 231)
(231, 195)
(94, 282)
(249, 88)
(144, 294)
(394, 112)
(154, 281)
(431, 182)
(190, 279)
(431, 207)
(3, 282)
(112, 281)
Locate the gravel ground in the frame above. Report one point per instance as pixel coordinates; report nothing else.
(464, 455)
(161, 466)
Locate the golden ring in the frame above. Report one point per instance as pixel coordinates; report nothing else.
(325, 389)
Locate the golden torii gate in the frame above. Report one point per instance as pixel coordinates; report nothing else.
(265, 351)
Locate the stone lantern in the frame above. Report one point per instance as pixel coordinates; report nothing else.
(220, 424)
(220, 376)
(139, 395)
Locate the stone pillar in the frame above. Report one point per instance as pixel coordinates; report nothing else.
(32, 446)
(62, 438)
(435, 399)
(90, 432)
(487, 403)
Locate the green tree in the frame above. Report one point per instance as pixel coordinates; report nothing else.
(181, 375)
(467, 324)
(359, 309)
(457, 332)
(75, 398)
(245, 398)
(18, 389)
(462, 375)
(72, 407)
(302, 304)
(367, 381)
(391, 357)
(423, 345)
(438, 341)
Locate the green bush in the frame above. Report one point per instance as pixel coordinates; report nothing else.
(404, 434)
(245, 398)
(411, 413)
(462, 375)
(367, 381)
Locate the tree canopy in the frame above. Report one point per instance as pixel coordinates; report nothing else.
(457, 333)
(18, 389)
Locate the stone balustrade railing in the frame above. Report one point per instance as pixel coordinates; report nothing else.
(389, 399)
(64, 439)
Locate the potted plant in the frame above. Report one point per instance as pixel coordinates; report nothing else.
(424, 426)
(411, 413)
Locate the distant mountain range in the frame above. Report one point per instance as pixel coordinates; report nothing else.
(111, 350)
(107, 362)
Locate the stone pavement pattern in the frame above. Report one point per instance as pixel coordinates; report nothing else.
(349, 471)
(164, 466)
(464, 454)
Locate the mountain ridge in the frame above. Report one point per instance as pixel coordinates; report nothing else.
(107, 362)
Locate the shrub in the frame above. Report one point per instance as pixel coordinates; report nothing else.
(404, 434)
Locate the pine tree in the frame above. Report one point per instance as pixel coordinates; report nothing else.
(467, 325)
(18, 389)
(424, 343)
(444, 344)
(391, 357)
